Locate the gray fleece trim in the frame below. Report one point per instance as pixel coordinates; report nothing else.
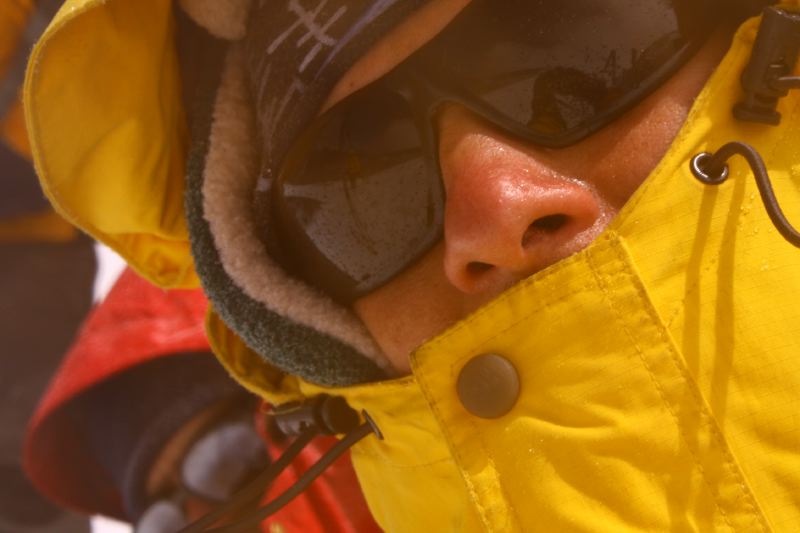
(231, 171)
(283, 343)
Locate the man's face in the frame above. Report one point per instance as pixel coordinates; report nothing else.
(512, 208)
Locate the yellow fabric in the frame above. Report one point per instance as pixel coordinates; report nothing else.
(108, 132)
(660, 368)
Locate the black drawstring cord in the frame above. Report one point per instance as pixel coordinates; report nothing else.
(255, 488)
(253, 519)
(712, 170)
(322, 414)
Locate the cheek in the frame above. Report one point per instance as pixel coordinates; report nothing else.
(628, 150)
(640, 141)
(411, 308)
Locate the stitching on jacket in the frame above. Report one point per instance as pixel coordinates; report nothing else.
(745, 494)
(654, 380)
(543, 305)
(467, 323)
(482, 511)
(729, 462)
(485, 449)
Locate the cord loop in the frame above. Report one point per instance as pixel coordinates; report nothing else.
(712, 169)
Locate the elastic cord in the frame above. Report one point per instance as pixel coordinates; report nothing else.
(254, 518)
(254, 489)
(712, 170)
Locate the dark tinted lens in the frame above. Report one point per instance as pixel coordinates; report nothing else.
(358, 199)
(563, 68)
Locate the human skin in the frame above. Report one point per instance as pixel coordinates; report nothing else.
(512, 208)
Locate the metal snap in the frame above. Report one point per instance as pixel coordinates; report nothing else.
(488, 386)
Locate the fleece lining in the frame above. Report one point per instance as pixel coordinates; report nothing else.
(288, 346)
(230, 174)
(291, 57)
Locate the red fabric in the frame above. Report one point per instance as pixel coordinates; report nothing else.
(333, 503)
(136, 323)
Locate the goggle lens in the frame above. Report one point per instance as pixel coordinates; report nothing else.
(377, 214)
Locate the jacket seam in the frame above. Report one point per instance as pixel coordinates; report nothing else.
(656, 383)
(482, 510)
(729, 462)
(466, 324)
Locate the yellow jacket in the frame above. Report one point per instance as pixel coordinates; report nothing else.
(659, 368)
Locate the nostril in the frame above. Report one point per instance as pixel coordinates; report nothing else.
(549, 224)
(476, 268)
(544, 225)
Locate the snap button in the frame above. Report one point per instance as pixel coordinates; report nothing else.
(488, 386)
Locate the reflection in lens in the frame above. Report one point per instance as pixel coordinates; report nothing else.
(564, 68)
(360, 200)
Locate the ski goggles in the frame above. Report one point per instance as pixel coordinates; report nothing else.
(359, 197)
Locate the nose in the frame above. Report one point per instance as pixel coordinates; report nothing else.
(512, 209)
